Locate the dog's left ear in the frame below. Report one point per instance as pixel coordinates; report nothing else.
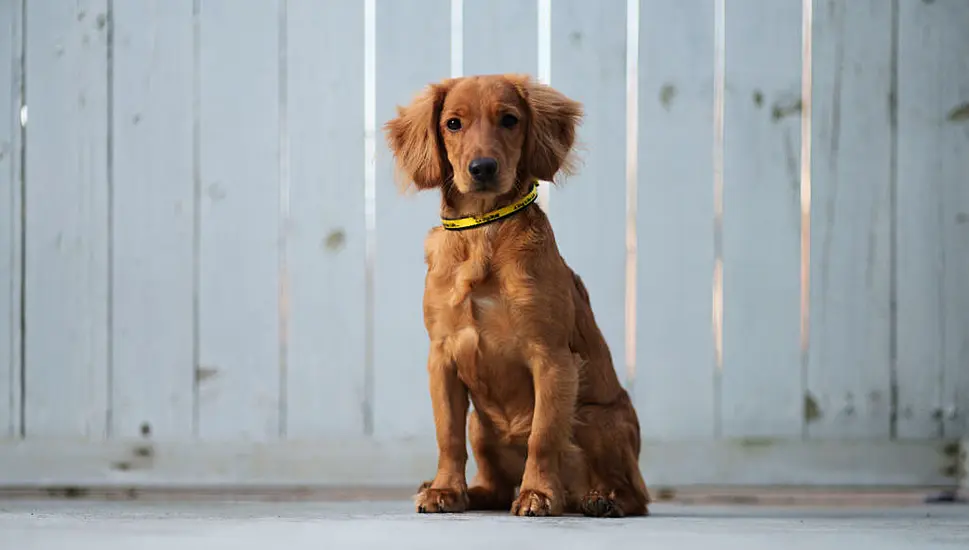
(552, 122)
(414, 138)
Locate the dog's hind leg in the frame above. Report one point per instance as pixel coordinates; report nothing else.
(609, 436)
(500, 468)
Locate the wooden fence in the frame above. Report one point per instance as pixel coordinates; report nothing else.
(207, 275)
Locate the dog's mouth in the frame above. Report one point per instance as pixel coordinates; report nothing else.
(485, 188)
(496, 187)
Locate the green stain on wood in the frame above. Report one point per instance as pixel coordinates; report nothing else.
(959, 113)
(758, 98)
(812, 411)
(780, 110)
(952, 449)
(666, 95)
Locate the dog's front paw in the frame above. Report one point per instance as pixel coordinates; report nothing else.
(440, 501)
(534, 504)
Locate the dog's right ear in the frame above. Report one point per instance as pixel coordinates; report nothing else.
(414, 138)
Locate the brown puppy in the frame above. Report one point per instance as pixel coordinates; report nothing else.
(510, 324)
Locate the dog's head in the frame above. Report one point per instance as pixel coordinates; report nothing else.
(483, 134)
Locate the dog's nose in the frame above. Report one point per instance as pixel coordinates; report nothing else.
(483, 169)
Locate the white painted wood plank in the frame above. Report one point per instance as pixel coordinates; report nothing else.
(363, 462)
(239, 377)
(589, 217)
(500, 36)
(963, 466)
(849, 365)
(933, 218)
(326, 237)
(10, 219)
(67, 220)
(402, 406)
(762, 392)
(154, 220)
(674, 387)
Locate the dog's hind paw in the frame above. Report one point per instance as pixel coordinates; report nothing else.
(596, 505)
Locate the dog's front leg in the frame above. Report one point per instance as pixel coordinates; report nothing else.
(449, 398)
(556, 384)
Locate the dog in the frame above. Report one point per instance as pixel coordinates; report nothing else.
(510, 324)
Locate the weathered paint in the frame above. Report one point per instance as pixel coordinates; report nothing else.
(762, 371)
(67, 332)
(239, 228)
(326, 232)
(849, 361)
(932, 197)
(10, 218)
(674, 387)
(153, 217)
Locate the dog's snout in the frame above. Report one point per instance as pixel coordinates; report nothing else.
(483, 169)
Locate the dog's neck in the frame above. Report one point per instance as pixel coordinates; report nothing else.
(458, 205)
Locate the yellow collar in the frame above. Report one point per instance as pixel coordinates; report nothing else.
(457, 224)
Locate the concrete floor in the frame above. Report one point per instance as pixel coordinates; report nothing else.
(83, 525)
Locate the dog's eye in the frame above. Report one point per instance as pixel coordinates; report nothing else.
(453, 124)
(509, 121)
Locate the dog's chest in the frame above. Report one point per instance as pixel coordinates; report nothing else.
(474, 302)
(469, 310)
(466, 298)
(466, 293)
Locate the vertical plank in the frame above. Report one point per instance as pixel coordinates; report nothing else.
(153, 212)
(674, 388)
(762, 392)
(932, 204)
(10, 219)
(500, 36)
(67, 220)
(589, 218)
(402, 407)
(848, 377)
(239, 345)
(326, 241)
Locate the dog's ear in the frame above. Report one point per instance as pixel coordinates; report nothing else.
(552, 122)
(414, 138)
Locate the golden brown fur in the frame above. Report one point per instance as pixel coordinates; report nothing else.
(510, 324)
